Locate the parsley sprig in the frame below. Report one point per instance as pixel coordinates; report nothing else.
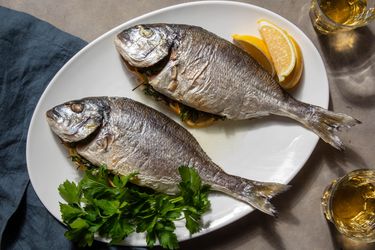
(110, 206)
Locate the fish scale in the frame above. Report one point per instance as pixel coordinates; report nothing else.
(217, 77)
(130, 137)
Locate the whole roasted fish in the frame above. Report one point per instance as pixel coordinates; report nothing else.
(129, 137)
(201, 70)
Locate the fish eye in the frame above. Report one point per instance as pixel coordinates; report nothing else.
(145, 32)
(76, 107)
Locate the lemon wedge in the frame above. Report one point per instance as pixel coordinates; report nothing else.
(294, 77)
(257, 48)
(280, 46)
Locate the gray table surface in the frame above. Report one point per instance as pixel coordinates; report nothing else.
(351, 74)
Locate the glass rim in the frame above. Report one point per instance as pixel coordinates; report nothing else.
(332, 22)
(346, 176)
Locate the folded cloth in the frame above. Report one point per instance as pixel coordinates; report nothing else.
(31, 53)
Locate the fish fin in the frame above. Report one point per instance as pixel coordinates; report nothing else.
(324, 123)
(260, 193)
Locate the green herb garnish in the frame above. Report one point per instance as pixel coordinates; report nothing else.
(110, 206)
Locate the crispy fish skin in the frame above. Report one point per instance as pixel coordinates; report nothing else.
(131, 137)
(210, 74)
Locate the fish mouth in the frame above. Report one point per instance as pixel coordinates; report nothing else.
(118, 45)
(53, 114)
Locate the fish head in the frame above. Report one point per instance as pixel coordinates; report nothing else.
(74, 121)
(144, 45)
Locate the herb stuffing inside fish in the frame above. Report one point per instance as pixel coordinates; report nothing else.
(203, 71)
(129, 137)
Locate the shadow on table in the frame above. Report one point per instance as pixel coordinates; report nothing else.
(350, 57)
(341, 163)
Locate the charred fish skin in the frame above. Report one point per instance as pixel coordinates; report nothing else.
(211, 74)
(135, 138)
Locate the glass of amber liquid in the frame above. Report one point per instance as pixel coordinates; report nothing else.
(331, 16)
(349, 203)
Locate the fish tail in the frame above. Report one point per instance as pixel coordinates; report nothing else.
(255, 193)
(322, 122)
(259, 194)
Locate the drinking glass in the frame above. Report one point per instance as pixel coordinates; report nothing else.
(349, 203)
(331, 16)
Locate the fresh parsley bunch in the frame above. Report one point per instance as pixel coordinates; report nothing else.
(110, 206)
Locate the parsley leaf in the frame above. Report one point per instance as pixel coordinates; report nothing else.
(70, 212)
(110, 206)
(195, 197)
(70, 192)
